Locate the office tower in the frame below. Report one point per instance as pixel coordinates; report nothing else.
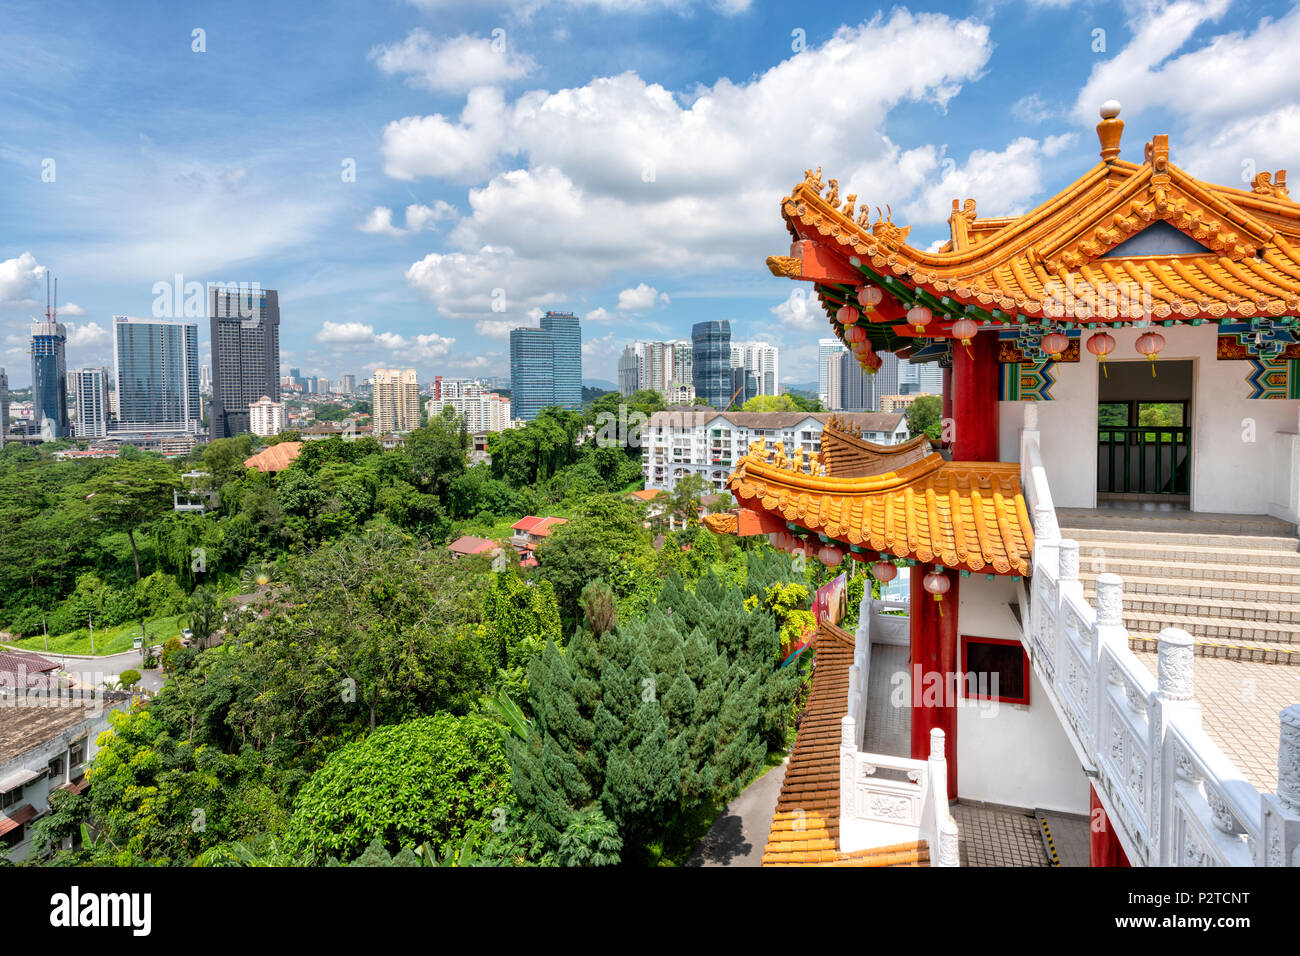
(761, 359)
(861, 391)
(245, 354)
(295, 377)
(744, 386)
(631, 368)
(929, 377)
(266, 417)
(156, 367)
(49, 377)
(566, 333)
(396, 403)
(322, 386)
(834, 384)
(347, 384)
(546, 366)
(91, 392)
(205, 379)
(827, 350)
(711, 361)
(4, 406)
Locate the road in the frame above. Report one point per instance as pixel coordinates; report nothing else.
(738, 836)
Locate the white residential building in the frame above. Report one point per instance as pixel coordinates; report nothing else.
(702, 441)
(761, 359)
(265, 417)
(483, 409)
(396, 401)
(827, 350)
(90, 386)
(654, 365)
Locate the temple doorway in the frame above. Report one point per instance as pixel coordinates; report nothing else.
(1144, 432)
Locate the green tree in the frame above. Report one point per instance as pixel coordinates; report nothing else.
(438, 452)
(925, 416)
(770, 403)
(433, 779)
(128, 494)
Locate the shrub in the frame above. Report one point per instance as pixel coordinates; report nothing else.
(129, 678)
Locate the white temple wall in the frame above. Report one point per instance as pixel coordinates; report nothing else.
(1012, 754)
(1239, 465)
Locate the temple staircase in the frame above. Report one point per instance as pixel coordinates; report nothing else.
(1231, 581)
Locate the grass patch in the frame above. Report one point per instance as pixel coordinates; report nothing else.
(114, 640)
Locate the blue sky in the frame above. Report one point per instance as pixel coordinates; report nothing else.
(622, 159)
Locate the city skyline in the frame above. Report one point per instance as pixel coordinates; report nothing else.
(400, 230)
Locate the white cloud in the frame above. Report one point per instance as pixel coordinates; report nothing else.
(344, 333)
(419, 217)
(432, 346)
(71, 308)
(452, 64)
(380, 222)
(19, 277)
(1031, 109)
(621, 174)
(800, 310)
(599, 315)
(1001, 181)
(528, 7)
(642, 298)
(87, 334)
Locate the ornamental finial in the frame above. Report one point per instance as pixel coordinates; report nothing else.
(1109, 130)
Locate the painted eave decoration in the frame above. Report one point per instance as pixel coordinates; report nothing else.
(1214, 253)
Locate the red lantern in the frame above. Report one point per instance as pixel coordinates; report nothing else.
(872, 362)
(964, 330)
(1055, 343)
(884, 571)
(918, 316)
(937, 584)
(1150, 345)
(870, 296)
(855, 334)
(1101, 345)
(830, 556)
(846, 315)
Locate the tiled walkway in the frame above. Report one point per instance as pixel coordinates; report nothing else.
(995, 836)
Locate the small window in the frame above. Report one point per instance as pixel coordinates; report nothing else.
(995, 669)
(76, 753)
(14, 836)
(56, 767)
(11, 798)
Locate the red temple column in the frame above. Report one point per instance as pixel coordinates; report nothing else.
(975, 399)
(946, 409)
(1104, 848)
(934, 668)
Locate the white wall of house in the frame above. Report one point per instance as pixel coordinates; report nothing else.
(1239, 466)
(1012, 754)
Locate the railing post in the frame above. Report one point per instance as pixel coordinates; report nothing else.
(848, 773)
(1173, 700)
(949, 844)
(1280, 842)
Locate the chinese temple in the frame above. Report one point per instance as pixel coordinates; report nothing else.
(1108, 517)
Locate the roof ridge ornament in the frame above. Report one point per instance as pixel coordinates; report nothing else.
(1109, 131)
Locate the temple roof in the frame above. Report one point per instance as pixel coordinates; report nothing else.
(1215, 252)
(806, 824)
(965, 515)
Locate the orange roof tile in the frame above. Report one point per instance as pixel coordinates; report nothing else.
(276, 458)
(647, 494)
(1031, 263)
(965, 515)
(806, 825)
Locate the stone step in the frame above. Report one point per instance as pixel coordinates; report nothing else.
(1199, 590)
(1176, 522)
(1127, 567)
(1212, 628)
(1264, 652)
(1284, 544)
(1281, 614)
(1227, 551)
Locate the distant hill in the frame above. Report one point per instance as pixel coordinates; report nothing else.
(603, 384)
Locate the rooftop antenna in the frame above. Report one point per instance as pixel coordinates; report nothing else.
(47, 295)
(56, 300)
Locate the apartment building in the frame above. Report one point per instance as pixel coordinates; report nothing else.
(396, 401)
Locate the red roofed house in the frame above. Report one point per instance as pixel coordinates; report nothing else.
(468, 544)
(532, 531)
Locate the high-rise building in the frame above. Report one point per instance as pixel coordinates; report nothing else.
(654, 365)
(347, 384)
(156, 368)
(482, 409)
(49, 378)
(827, 350)
(546, 366)
(760, 359)
(245, 354)
(266, 417)
(860, 390)
(682, 362)
(396, 402)
(566, 332)
(92, 404)
(322, 386)
(744, 386)
(205, 379)
(4, 406)
(632, 367)
(922, 378)
(711, 361)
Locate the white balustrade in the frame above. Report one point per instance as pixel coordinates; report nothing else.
(1172, 795)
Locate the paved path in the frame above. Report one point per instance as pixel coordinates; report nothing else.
(93, 671)
(738, 836)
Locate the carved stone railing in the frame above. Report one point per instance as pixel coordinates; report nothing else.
(1171, 794)
(886, 799)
